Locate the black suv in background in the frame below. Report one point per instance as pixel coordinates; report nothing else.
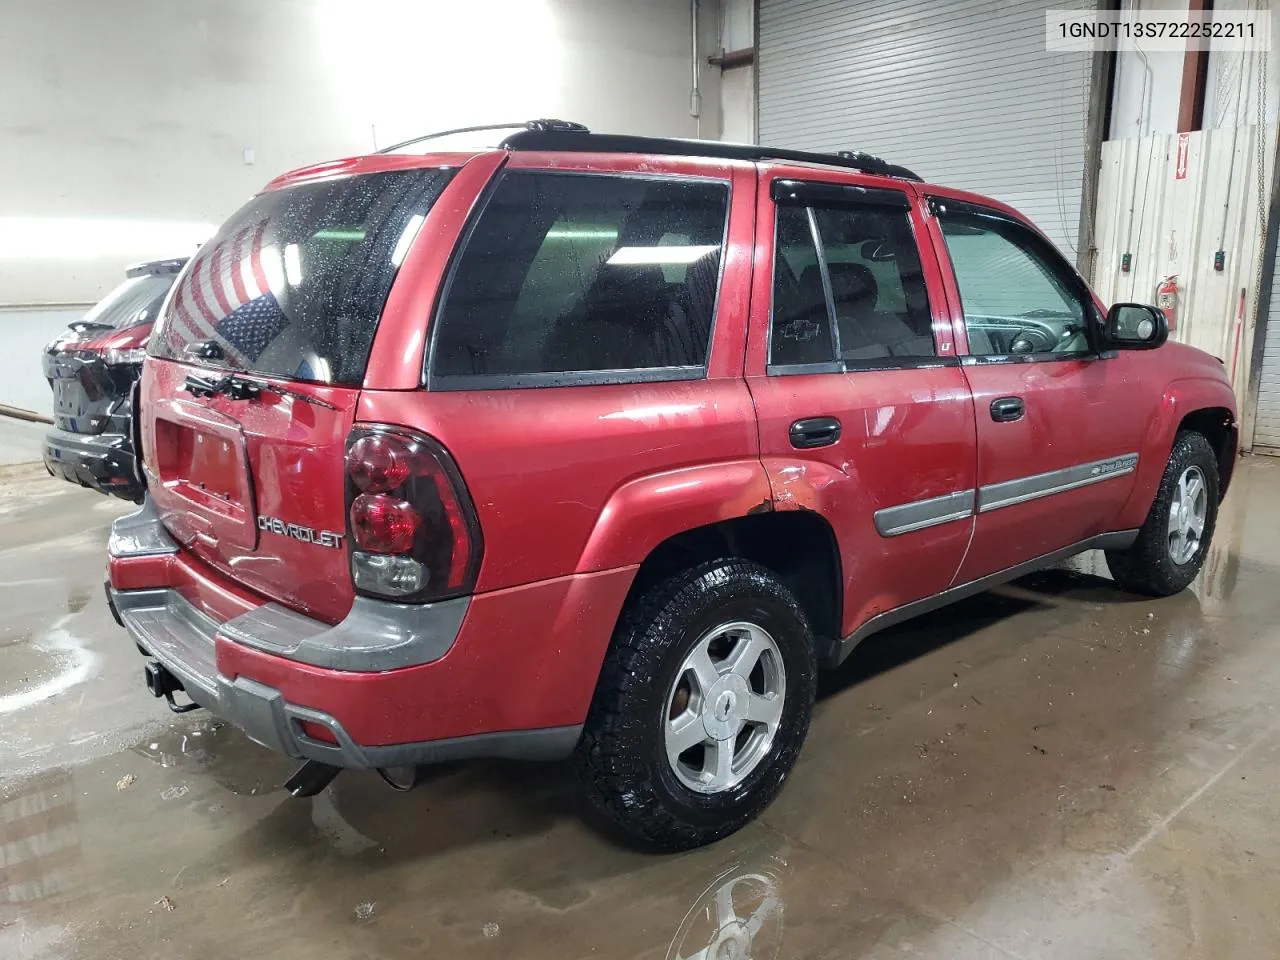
(92, 368)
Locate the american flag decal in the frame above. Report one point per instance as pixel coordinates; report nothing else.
(226, 297)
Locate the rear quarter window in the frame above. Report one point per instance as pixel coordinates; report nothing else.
(583, 278)
(293, 285)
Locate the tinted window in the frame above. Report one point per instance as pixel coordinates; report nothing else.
(877, 286)
(801, 329)
(569, 273)
(134, 302)
(294, 283)
(878, 297)
(1017, 295)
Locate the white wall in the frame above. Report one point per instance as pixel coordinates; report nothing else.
(738, 84)
(1173, 226)
(124, 124)
(1148, 86)
(24, 334)
(1232, 87)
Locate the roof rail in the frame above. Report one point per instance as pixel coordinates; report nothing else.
(573, 137)
(562, 125)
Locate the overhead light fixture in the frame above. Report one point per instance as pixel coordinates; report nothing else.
(335, 233)
(570, 233)
(292, 264)
(272, 259)
(406, 238)
(659, 256)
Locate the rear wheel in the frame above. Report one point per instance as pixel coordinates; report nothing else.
(703, 702)
(1174, 539)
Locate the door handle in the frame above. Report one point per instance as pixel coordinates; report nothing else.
(815, 432)
(1007, 409)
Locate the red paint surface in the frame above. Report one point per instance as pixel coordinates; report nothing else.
(573, 487)
(276, 457)
(527, 657)
(906, 435)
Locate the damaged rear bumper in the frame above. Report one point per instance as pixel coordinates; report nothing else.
(359, 663)
(104, 462)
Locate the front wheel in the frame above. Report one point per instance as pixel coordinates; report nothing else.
(703, 702)
(1174, 539)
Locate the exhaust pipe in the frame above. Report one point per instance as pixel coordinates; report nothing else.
(402, 779)
(312, 777)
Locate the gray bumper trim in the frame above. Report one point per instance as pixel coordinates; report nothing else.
(140, 534)
(180, 637)
(375, 635)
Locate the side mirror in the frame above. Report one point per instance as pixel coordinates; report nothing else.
(1136, 326)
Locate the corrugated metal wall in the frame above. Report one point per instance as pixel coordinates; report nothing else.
(1174, 226)
(1266, 429)
(963, 93)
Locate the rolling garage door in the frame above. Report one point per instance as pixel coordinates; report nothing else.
(963, 93)
(1266, 429)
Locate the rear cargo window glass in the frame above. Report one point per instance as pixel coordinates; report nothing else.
(567, 276)
(294, 283)
(134, 302)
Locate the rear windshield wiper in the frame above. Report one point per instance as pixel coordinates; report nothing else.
(239, 387)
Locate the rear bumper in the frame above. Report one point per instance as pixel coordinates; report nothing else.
(102, 461)
(181, 638)
(510, 673)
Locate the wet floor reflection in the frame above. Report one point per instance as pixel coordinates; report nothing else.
(40, 850)
(738, 917)
(1051, 769)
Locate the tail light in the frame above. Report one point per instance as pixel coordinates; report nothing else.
(116, 356)
(411, 526)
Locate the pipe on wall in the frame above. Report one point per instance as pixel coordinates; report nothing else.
(695, 94)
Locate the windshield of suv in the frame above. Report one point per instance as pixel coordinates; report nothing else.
(293, 284)
(134, 302)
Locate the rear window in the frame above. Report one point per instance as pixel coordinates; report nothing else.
(294, 283)
(134, 302)
(583, 278)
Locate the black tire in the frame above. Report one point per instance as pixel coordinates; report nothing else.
(1147, 567)
(622, 757)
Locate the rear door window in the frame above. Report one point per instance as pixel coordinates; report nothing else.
(293, 285)
(583, 278)
(848, 287)
(877, 284)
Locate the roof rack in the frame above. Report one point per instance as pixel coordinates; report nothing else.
(554, 135)
(541, 125)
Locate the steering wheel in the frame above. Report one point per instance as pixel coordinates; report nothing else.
(1033, 340)
(1037, 336)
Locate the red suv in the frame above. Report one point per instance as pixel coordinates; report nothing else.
(603, 446)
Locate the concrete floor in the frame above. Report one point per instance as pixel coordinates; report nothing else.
(1051, 770)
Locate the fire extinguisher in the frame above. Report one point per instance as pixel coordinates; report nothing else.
(1167, 300)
